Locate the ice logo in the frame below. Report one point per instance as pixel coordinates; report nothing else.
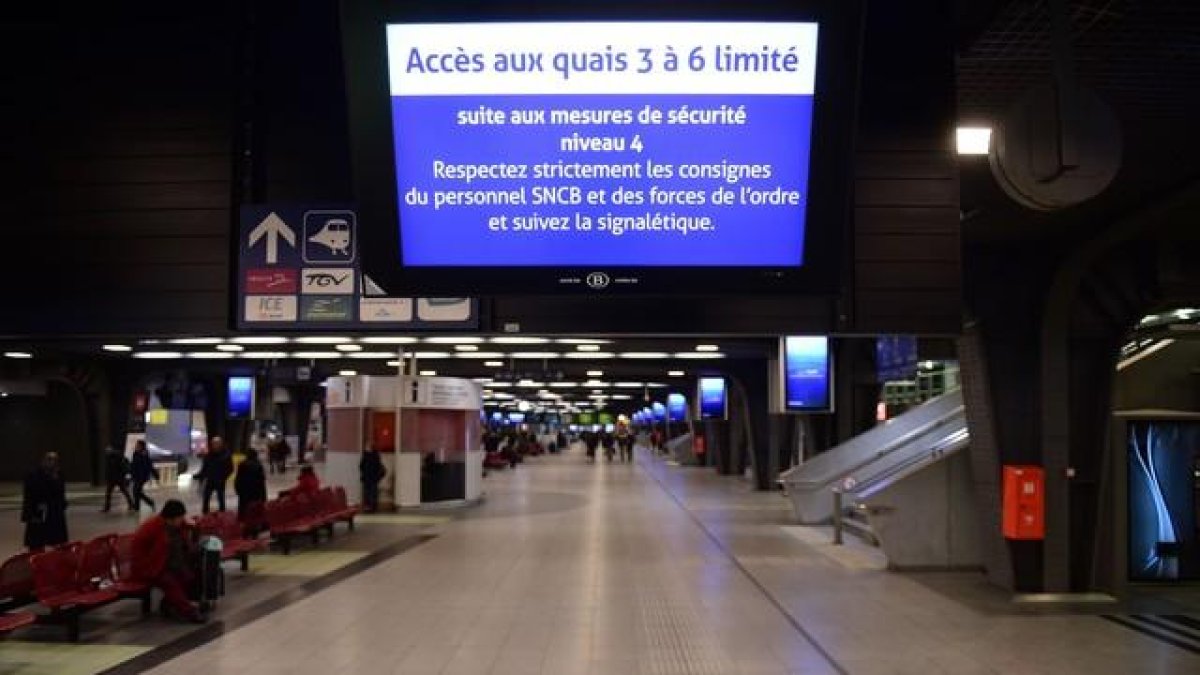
(335, 236)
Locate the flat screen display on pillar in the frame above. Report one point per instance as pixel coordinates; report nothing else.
(676, 408)
(604, 154)
(712, 397)
(807, 374)
(240, 397)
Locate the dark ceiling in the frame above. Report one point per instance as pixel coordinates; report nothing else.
(1141, 56)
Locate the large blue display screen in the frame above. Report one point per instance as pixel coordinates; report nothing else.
(806, 374)
(676, 408)
(712, 397)
(637, 144)
(240, 400)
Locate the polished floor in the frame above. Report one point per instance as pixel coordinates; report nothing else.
(570, 567)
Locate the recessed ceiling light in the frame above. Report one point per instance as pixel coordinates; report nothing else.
(322, 340)
(196, 341)
(582, 341)
(593, 356)
(347, 373)
(230, 348)
(263, 355)
(388, 340)
(530, 384)
(210, 355)
(622, 397)
(480, 355)
(433, 355)
(707, 348)
(454, 340)
(563, 385)
(260, 340)
(629, 385)
(595, 373)
(694, 356)
(317, 355)
(466, 348)
(494, 364)
(373, 355)
(519, 340)
(501, 385)
(394, 364)
(481, 380)
(428, 373)
(644, 355)
(117, 348)
(973, 140)
(534, 355)
(155, 355)
(588, 348)
(348, 348)
(675, 373)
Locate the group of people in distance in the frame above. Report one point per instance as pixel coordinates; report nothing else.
(164, 546)
(617, 445)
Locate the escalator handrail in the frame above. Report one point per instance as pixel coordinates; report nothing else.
(891, 447)
(948, 445)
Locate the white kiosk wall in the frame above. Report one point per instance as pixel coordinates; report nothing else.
(439, 416)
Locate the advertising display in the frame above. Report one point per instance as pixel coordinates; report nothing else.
(712, 397)
(676, 408)
(1164, 488)
(239, 402)
(604, 154)
(807, 374)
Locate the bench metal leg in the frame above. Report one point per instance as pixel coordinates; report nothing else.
(147, 604)
(73, 627)
(244, 558)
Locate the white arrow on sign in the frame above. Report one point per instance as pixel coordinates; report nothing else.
(272, 227)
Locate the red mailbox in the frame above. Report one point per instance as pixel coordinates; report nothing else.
(1024, 502)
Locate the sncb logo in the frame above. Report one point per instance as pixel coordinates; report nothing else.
(598, 280)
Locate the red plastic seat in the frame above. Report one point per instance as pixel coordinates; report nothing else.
(15, 620)
(57, 586)
(16, 582)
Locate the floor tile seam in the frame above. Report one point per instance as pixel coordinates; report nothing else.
(644, 466)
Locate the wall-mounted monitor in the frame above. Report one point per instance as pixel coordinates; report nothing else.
(239, 400)
(495, 149)
(676, 408)
(712, 398)
(807, 374)
(516, 417)
(895, 357)
(658, 411)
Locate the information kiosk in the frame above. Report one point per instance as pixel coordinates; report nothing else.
(439, 460)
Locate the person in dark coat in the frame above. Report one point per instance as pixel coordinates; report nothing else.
(141, 470)
(371, 471)
(116, 477)
(250, 483)
(44, 506)
(214, 472)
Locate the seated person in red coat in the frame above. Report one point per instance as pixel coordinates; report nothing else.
(161, 551)
(307, 483)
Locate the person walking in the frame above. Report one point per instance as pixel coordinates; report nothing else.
(214, 472)
(44, 505)
(161, 551)
(116, 477)
(141, 470)
(250, 483)
(371, 471)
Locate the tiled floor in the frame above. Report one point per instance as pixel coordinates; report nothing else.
(577, 568)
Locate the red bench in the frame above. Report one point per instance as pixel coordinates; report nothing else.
(98, 569)
(57, 586)
(342, 509)
(234, 544)
(12, 621)
(284, 521)
(302, 514)
(16, 582)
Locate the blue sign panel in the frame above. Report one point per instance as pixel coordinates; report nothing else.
(298, 268)
(807, 384)
(712, 397)
(895, 357)
(659, 411)
(1164, 469)
(676, 408)
(240, 398)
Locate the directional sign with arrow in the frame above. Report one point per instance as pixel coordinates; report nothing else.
(272, 228)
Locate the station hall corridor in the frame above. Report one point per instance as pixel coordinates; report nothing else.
(570, 567)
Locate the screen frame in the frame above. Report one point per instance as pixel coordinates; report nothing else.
(830, 384)
(828, 215)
